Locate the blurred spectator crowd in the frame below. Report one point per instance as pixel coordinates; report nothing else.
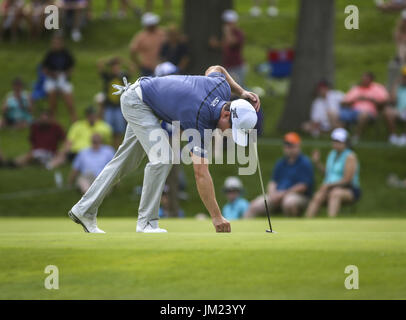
(91, 139)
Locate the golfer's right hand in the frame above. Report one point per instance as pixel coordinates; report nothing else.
(221, 224)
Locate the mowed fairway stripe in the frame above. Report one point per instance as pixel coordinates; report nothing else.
(305, 260)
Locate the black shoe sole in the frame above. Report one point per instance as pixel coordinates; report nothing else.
(76, 220)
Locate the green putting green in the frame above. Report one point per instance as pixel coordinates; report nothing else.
(306, 259)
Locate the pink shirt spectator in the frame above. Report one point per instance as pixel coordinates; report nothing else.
(374, 91)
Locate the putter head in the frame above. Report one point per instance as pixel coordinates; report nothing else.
(270, 231)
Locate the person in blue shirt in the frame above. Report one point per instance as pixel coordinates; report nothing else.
(196, 102)
(341, 180)
(236, 204)
(89, 162)
(291, 183)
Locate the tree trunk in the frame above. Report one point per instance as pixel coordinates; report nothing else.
(202, 19)
(314, 60)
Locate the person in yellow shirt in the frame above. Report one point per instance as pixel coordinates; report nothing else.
(79, 137)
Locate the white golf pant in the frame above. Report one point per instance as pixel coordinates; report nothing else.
(141, 122)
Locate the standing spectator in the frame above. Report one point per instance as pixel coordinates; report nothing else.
(13, 14)
(325, 109)
(74, 16)
(272, 10)
(58, 65)
(175, 49)
(398, 98)
(400, 38)
(45, 138)
(232, 45)
(89, 163)
(291, 184)
(362, 103)
(112, 73)
(341, 181)
(146, 45)
(16, 110)
(236, 204)
(80, 136)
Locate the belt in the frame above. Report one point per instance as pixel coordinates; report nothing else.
(135, 86)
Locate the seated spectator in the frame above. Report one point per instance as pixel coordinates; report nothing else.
(146, 44)
(80, 136)
(341, 181)
(35, 13)
(361, 103)
(236, 204)
(58, 65)
(112, 73)
(12, 14)
(16, 110)
(291, 184)
(175, 49)
(89, 163)
(325, 109)
(74, 16)
(164, 209)
(397, 113)
(45, 138)
(232, 45)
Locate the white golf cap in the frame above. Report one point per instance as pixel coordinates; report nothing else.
(165, 69)
(340, 135)
(243, 118)
(149, 19)
(232, 183)
(230, 16)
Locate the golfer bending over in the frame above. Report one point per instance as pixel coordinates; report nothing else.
(198, 102)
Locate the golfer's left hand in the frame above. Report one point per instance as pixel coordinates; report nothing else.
(221, 224)
(253, 99)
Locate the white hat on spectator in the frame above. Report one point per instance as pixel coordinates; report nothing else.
(232, 183)
(403, 14)
(149, 19)
(340, 135)
(230, 16)
(165, 69)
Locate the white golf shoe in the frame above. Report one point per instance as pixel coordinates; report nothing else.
(151, 227)
(89, 224)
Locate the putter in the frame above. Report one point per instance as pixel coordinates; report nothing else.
(263, 190)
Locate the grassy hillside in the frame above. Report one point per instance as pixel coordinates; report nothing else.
(369, 48)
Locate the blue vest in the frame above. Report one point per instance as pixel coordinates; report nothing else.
(335, 168)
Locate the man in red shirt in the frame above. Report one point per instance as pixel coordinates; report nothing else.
(45, 137)
(232, 44)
